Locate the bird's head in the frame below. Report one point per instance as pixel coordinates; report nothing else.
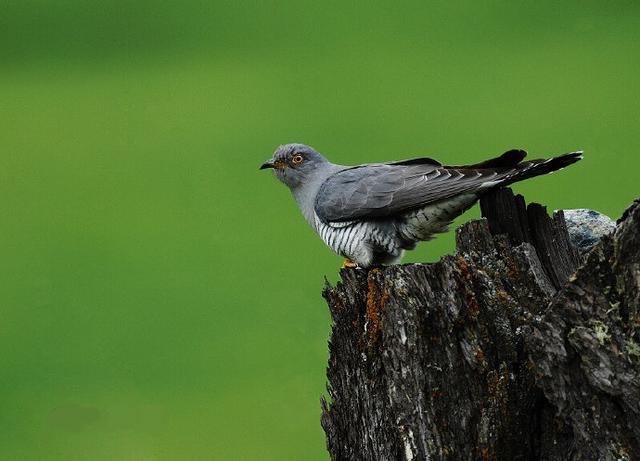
(295, 164)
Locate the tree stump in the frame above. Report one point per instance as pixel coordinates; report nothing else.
(515, 348)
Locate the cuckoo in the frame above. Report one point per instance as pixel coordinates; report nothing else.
(372, 213)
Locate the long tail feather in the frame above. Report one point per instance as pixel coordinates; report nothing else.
(530, 169)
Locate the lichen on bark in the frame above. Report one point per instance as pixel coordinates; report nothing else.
(516, 347)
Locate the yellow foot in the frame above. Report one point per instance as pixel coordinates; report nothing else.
(348, 264)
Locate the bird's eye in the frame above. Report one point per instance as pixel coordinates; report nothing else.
(297, 159)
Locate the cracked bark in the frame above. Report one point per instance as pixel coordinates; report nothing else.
(515, 348)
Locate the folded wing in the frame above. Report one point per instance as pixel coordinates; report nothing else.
(389, 189)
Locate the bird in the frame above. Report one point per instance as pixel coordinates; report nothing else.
(372, 213)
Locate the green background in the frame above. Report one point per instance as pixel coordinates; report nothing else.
(160, 296)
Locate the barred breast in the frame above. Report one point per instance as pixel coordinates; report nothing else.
(341, 237)
(362, 241)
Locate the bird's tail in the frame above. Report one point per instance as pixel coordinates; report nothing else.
(532, 168)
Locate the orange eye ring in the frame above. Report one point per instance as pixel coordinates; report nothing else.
(297, 159)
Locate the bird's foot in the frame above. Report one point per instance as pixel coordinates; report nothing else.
(348, 264)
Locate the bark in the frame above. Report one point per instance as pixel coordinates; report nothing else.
(515, 348)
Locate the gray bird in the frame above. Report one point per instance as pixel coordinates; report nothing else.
(371, 213)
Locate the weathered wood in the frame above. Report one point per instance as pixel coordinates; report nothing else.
(508, 214)
(499, 352)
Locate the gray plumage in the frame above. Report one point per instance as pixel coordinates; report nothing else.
(372, 213)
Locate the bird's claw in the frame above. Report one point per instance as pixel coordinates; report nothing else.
(348, 264)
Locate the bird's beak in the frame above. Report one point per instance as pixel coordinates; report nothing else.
(267, 164)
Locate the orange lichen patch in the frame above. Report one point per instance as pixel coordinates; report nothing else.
(498, 389)
(463, 267)
(472, 302)
(480, 357)
(376, 300)
(512, 268)
(502, 296)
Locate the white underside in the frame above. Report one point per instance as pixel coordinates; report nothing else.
(373, 242)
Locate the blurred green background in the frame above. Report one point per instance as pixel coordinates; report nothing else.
(160, 296)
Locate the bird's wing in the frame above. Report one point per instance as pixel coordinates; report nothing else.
(388, 189)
